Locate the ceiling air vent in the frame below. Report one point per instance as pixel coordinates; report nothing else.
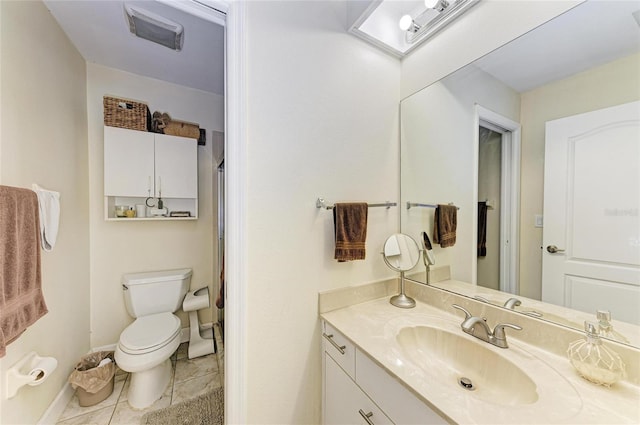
(154, 28)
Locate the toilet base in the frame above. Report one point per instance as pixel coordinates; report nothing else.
(148, 386)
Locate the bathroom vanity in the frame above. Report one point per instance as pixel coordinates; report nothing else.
(382, 364)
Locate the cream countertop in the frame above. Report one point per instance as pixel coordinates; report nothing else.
(563, 396)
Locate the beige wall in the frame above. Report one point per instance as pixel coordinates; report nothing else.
(322, 121)
(607, 85)
(44, 140)
(126, 247)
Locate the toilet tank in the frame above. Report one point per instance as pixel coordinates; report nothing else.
(155, 292)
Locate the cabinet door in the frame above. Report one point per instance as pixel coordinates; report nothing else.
(128, 162)
(345, 403)
(396, 400)
(176, 166)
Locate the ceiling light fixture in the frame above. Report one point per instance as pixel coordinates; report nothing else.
(438, 5)
(437, 15)
(408, 24)
(377, 21)
(156, 28)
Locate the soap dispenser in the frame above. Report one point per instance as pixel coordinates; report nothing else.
(594, 361)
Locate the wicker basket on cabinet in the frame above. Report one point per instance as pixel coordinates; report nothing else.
(125, 113)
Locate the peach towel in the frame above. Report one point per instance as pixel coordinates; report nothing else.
(21, 299)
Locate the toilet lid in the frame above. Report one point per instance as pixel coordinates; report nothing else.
(150, 332)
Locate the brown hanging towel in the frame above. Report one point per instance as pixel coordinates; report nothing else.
(350, 224)
(482, 229)
(21, 299)
(445, 222)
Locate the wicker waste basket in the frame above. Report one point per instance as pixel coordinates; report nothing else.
(93, 383)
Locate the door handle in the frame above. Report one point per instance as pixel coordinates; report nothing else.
(552, 249)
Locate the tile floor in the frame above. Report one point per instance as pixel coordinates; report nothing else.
(190, 379)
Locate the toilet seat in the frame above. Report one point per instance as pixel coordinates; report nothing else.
(149, 333)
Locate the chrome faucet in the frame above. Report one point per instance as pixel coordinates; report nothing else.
(477, 327)
(511, 303)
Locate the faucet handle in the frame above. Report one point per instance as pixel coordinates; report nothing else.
(466, 312)
(498, 331)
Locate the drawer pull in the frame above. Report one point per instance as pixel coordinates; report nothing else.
(366, 416)
(330, 339)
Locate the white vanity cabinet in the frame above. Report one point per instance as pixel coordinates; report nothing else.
(138, 165)
(345, 402)
(358, 391)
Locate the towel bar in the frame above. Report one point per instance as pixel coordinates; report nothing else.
(417, 204)
(321, 203)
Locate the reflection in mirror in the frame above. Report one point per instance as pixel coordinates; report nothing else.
(585, 60)
(401, 253)
(489, 219)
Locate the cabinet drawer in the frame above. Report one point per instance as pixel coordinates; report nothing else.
(340, 348)
(400, 404)
(345, 403)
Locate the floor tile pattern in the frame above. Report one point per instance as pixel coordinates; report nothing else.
(190, 379)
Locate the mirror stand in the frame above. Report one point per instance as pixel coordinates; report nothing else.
(401, 253)
(402, 300)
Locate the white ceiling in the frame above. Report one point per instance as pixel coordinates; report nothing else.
(100, 32)
(591, 34)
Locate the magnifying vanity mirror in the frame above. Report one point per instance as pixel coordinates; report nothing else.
(480, 138)
(401, 253)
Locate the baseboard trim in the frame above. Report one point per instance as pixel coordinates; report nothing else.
(56, 408)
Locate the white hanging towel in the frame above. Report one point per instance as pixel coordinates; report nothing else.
(49, 203)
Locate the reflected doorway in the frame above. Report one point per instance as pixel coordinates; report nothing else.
(498, 201)
(489, 187)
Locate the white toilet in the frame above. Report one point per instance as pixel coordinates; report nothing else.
(146, 345)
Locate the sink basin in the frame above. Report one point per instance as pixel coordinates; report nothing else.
(461, 362)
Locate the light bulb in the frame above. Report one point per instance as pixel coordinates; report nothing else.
(405, 22)
(430, 4)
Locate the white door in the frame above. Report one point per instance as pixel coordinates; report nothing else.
(591, 240)
(128, 162)
(176, 166)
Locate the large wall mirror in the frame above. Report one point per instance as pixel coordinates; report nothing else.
(477, 139)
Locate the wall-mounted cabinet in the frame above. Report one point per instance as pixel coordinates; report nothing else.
(139, 165)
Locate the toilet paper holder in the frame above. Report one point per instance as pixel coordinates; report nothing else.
(200, 340)
(32, 370)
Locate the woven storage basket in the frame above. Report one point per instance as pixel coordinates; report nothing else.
(125, 113)
(184, 129)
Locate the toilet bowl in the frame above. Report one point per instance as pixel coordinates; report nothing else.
(144, 350)
(146, 345)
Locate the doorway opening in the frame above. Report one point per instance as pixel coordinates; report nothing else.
(497, 194)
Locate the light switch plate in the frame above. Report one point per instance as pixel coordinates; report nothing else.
(539, 222)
